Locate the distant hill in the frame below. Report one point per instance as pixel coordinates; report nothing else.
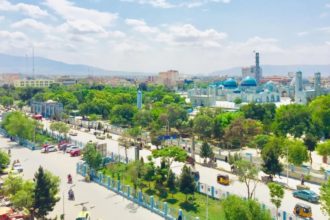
(307, 70)
(43, 66)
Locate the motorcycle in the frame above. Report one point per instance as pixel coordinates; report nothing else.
(71, 195)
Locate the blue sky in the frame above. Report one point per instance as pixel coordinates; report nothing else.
(192, 36)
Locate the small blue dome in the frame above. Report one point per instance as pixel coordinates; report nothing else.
(270, 86)
(249, 81)
(230, 83)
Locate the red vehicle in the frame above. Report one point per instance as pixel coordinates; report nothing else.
(37, 117)
(75, 153)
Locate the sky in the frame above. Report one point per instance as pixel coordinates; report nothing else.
(191, 36)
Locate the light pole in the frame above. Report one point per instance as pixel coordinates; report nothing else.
(63, 200)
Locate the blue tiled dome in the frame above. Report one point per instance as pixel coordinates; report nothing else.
(270, 86)
(249, 81)
(230, 83)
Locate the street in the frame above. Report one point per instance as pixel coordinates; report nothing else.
(103, 204)
(208, 176)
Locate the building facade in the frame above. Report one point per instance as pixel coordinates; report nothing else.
(33, 83)
(49, 109)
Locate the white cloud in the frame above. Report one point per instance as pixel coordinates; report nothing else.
(2, 18)
(140, 26)
(82, 27)
(27, 9)
(324, 29)
(173, 4)
(13, 35)
(69, 11)
(188, 35)
(327, 5)
(31, 23)
(154, 3)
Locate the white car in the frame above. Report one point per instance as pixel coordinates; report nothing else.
(18, 167)
(50, 148)
(69, 149)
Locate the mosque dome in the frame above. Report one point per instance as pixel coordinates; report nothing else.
(230, 83)
(270, 86)
(249, 81)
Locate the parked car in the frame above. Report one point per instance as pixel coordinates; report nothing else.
(50, 148)
(307, 195)
(18, 167)
(73, 133)
(75, 152)
(64, 146)
(69, 149)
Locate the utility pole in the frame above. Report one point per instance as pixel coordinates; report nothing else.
(33, 62)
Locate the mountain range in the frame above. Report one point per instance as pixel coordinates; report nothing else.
(44, 66)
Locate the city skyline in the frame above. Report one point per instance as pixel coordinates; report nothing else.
(153, 35)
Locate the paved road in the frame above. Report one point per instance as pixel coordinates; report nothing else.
(107, 205)
(208, 176)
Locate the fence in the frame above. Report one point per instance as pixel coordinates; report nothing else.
(20, 141)
(144, 200)
(216, 193)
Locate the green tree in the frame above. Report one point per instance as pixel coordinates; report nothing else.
(4, 159)
(276, 195)
(236, 208)
(186, 181)
(203, 126)
(24, 198)
(171, 182)
(259, 141)
(310, 141)
(136, 172)
(150, 172)
(241, 131)
(92, 157)
(7, 101)
(25, 128)
(170, 154)
(11, 185)
(123, 114)
(248, 174)
(323, 149)
(60, 127)
(297, 152)
(270, 155)
(45, 193)
(293, 119)
(143, 118)
(206, 151)
(325, 197)
(320, 111)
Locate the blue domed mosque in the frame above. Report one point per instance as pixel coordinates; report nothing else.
(247, 90)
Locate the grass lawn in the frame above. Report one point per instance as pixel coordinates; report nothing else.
(194, 205)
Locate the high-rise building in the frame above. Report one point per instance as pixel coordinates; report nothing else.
(139, 99)
(317, 84)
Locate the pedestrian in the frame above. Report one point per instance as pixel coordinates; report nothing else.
(302, 179)
(180, 217)
(9, 151)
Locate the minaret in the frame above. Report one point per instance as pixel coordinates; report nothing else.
(298, 83)
(258, 71)
(317, 84)
(139, 99)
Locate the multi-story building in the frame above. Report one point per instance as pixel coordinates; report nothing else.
(66, 80)
(33, 82)
(168, 78)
